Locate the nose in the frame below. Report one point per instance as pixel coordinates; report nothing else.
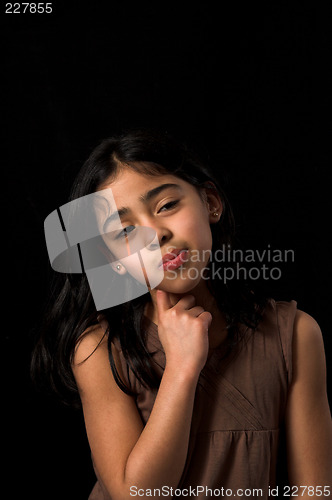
(163, 233)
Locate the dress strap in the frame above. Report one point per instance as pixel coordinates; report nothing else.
(286, 312)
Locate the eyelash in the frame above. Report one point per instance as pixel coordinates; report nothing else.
(167, 206)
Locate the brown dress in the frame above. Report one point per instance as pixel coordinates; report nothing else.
(238, 411)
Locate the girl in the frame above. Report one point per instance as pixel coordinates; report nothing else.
(192, 388)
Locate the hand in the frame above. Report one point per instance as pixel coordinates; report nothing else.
(183, 332)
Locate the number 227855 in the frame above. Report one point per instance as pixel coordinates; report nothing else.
(28, 8)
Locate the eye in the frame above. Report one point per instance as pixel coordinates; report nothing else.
(125, 231)
(168, 206)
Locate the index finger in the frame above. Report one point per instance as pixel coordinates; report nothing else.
(163, 301)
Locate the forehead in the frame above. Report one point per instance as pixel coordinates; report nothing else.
(130, 185)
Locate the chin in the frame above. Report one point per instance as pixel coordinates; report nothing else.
(179, 286)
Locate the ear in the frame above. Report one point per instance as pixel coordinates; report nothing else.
(213, 202)
(118, 268)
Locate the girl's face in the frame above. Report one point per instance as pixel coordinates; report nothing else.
(180, 217)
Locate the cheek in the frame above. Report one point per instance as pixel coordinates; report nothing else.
(195, 226)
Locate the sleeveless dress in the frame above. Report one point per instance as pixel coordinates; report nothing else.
(236, 439)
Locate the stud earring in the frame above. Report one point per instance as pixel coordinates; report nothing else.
(214, 213)
(118, 267)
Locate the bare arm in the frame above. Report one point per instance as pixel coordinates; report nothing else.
(126, 453)
(308, 418)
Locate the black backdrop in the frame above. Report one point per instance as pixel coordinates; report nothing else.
(248, 87)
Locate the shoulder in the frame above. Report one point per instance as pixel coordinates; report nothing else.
(307, 335)
(92, 338)
(306, 326)
(309, 364)
(301, 340)
(91, 362)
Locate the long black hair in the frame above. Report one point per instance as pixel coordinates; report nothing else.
(72, 309)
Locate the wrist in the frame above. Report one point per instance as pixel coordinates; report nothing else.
(187, 375)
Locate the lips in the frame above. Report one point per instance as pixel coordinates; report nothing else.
(174, 259)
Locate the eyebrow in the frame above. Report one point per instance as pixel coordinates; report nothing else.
(155, 191)
(152, 193)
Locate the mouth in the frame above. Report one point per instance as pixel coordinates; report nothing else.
(174, 259)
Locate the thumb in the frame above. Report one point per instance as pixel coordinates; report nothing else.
(163, 301)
